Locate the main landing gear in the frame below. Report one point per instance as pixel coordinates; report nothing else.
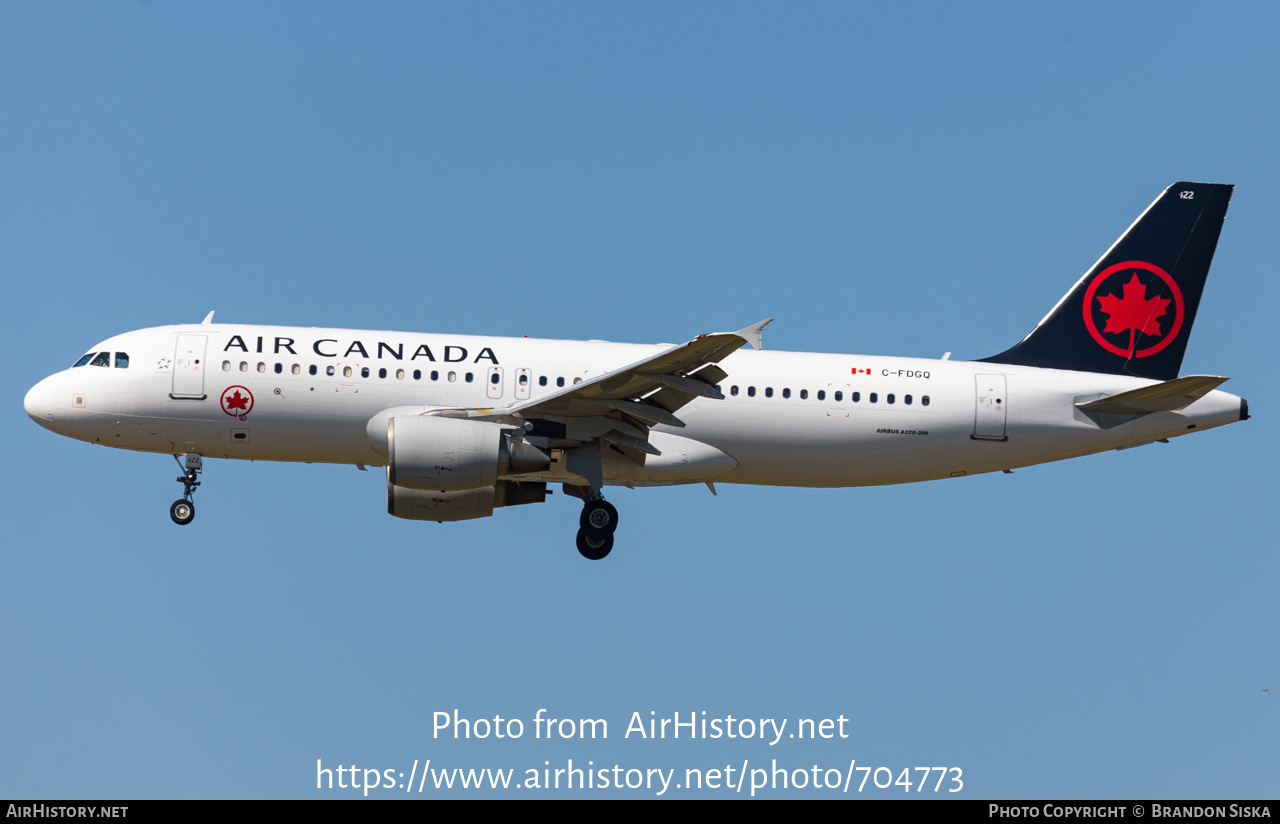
(596, 526)
(183, 510)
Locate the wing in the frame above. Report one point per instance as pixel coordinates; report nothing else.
(616, 410)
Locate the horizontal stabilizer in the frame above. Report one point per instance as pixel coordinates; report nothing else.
(1169, 396)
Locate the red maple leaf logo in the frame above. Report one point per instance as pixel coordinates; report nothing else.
(1133, 312)
(237, 401)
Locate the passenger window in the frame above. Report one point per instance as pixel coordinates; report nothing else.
(733, 390)
(364, 371)
(786, 393)
(855, 396)
(297, 370)
(542, 381)
(906, 399)
(346, 371)
(279, 368)
(329, 371)
(559, 381)
(101, 359)
(226, 366)
(417, 374)
(924, 400)
(382, 373)
(889, 398)
(399, 374)
(577, 381)
(839, 396)
(751, 391)
(311, 369)
(768, 391)
(453, 376)
(874, 397)
(495, 377)
(822, 394)
(469, 377)
(244, 366)
(83, 360)
(435, 376)
(524, 380)
(262, 367)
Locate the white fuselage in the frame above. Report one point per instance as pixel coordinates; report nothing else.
(787, 418)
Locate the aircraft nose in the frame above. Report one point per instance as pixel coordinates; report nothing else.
(39, 403)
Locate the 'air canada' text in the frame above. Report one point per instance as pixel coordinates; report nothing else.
(332, 348)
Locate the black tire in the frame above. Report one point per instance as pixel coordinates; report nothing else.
(599, 518)
(182, 512)
(594, 547)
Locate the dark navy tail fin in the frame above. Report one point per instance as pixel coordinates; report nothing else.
(1131, 313)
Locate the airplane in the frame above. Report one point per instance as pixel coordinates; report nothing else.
(465, 425)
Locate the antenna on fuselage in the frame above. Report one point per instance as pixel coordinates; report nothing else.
(208, 319)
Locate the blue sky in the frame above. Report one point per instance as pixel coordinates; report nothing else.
(903, 179)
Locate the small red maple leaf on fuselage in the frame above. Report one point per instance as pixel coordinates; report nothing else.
(1134, 312)
(237, 401)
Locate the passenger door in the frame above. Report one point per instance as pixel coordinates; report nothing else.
(189, 367)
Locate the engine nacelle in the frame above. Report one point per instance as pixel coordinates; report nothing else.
(433, 505)
(441, 454)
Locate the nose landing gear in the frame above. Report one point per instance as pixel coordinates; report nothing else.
(183, 510)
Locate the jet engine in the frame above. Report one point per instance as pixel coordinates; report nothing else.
(449, 469)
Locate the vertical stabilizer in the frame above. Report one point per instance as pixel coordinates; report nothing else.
(1131, 313)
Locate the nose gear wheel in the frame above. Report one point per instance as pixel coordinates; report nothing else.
(183, 510)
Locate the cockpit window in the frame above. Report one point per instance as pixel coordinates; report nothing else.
(122, 360)
(101, 359)
(83, 360)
